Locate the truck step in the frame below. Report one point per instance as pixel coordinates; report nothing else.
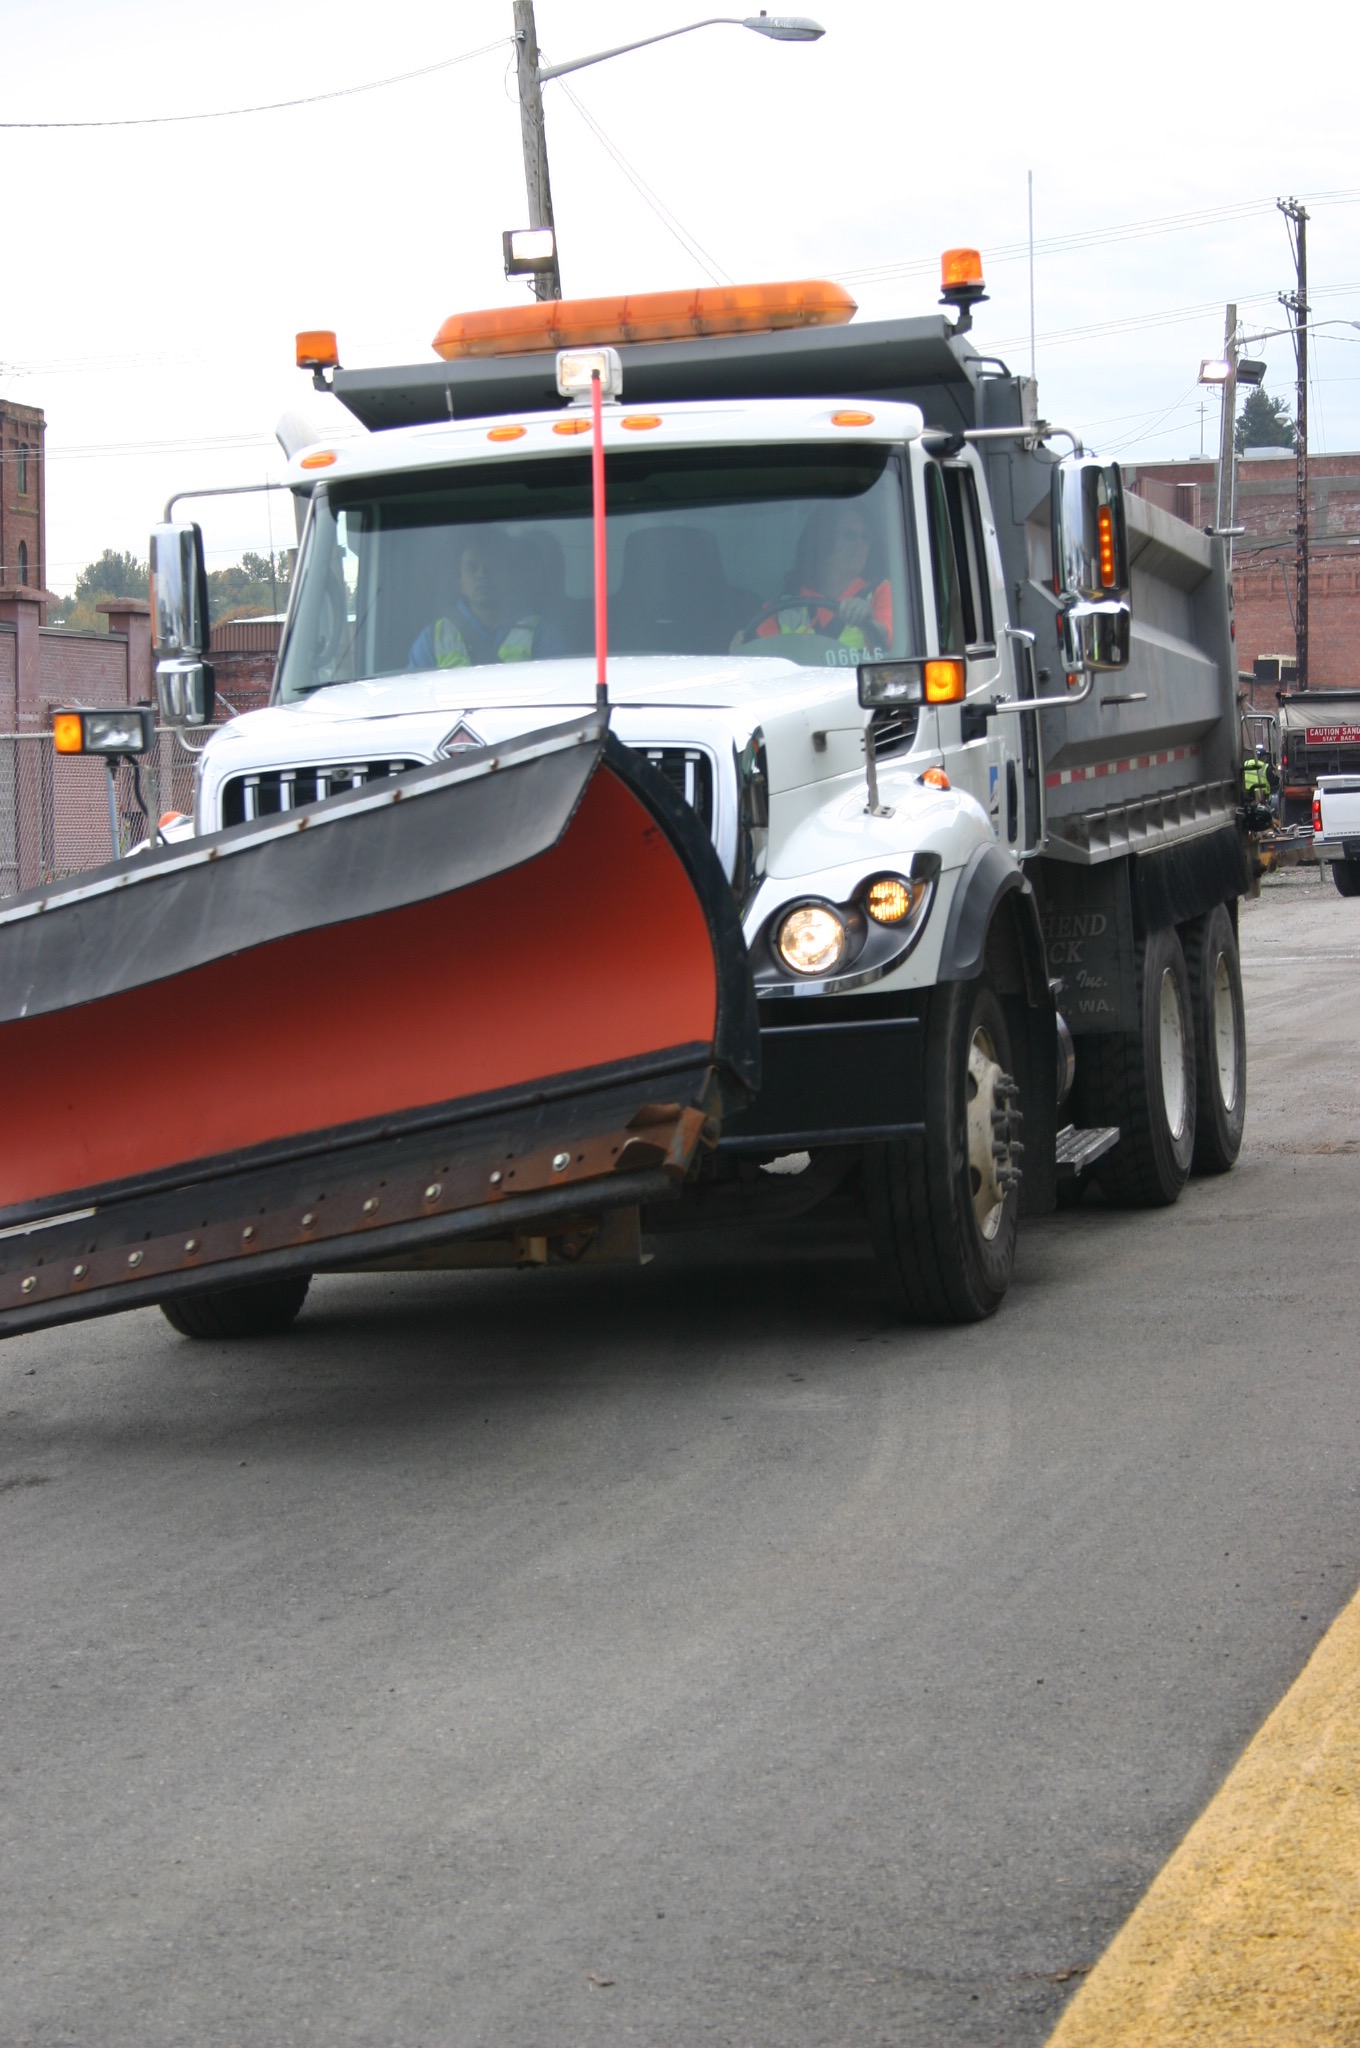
(1077, 1150)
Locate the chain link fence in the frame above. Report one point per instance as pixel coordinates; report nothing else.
(55, 815)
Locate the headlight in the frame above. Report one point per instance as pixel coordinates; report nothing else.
(812, 939)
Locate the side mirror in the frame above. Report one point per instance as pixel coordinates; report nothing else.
(186, 691)
(1095, 636)
(179, 590)
(1091, 563)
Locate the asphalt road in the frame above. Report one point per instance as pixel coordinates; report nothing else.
(683, 1657)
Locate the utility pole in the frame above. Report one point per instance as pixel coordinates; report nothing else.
(1297, 303)
(548, 283)
(1227, 452)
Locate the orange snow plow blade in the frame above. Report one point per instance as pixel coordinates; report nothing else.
(497, 992)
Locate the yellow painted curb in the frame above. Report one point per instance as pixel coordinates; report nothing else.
(1249, 1937)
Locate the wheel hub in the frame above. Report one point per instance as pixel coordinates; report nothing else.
(993, 1133)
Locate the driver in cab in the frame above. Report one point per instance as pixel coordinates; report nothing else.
(833, 594)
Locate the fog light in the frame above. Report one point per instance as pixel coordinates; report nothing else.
(890, 900)
(812, 939)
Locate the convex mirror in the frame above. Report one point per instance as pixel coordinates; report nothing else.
(179, 590)
(1091, 563)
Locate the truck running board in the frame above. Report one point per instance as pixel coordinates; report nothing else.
(504, 993)
(1078, 1150)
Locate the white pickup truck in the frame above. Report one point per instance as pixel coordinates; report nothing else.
(1336, 829)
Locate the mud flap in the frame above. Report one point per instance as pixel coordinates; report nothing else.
(505, 991)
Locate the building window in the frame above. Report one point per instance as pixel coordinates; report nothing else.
(22, 454)
(23, 561)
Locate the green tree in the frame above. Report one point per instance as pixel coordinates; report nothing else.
(113, 575)
(252, 588)
(1264, 422)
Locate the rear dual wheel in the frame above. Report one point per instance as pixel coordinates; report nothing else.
(943, 1207)
(1144, 1081)
(1220, 1028)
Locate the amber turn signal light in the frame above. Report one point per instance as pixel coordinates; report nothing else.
(944, 681)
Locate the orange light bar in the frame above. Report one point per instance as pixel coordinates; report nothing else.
(68, 736)
(321, 460)
(1105, 533)
(547, 324)
(852, 419)
(317, 349)
(944, 681)
(960, 267)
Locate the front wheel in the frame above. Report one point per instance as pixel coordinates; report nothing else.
(263, 1309)
(943, 1207)
(1346, 875)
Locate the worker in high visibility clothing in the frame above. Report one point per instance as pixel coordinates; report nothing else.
(1256, 777)
(833, 594)
(490, 621)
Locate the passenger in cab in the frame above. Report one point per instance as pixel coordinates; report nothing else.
(833, 593)
(492, 618)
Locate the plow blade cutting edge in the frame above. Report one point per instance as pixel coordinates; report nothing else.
(504, 993)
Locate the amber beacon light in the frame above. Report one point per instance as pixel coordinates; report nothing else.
(643, 316)
(961, 284)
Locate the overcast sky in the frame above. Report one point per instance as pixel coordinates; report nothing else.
(165, 270)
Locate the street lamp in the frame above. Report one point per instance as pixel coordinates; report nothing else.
(542, 264)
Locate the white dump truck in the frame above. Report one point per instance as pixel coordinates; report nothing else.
(897, 860)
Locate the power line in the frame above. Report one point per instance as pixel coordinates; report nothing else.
(674, 226)
(313, 99)
(1084, 238)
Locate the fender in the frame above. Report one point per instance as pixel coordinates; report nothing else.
(986, 881)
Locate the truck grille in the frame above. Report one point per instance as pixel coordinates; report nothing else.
(283, 789)
(895, 727)
(689, 772)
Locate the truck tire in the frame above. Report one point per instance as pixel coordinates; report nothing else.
(1220, 1022)
(1346, 875)
(943, 1207)
(1144, 1081)
(261, 1310)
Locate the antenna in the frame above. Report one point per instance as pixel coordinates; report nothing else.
(1030, 176)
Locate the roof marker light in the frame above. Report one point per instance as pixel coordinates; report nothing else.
(577, 425)
(640, 421)
(506, 433)
(321, 460)
(852, 419)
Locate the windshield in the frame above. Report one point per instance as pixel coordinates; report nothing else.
(798, 552)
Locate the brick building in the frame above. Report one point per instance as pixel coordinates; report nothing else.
(1263, 560)
(23, 498)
